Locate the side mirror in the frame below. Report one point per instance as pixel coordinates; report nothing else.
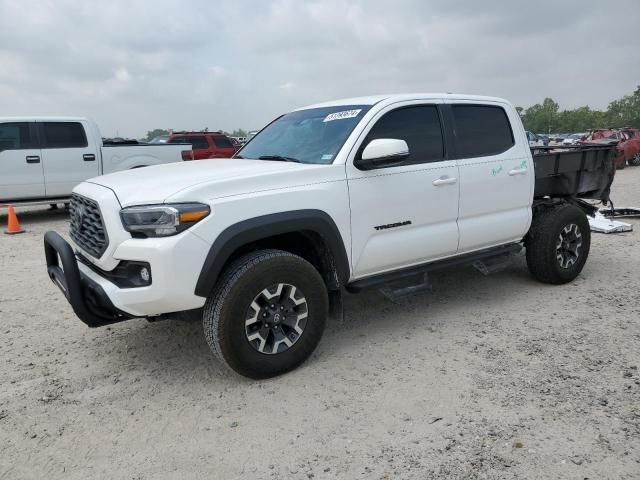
(382, 153)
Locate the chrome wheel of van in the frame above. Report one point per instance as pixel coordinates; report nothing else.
(568, 245)
(276, 318)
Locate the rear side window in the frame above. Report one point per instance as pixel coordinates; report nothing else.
(418, 126)
(63, 135)
(198, 142)
(16, 136)
(481, 130)
(222, 142)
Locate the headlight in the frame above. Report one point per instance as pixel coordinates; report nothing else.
(162, 220)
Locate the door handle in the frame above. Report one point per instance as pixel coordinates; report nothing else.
(518, 171)
(88, 157)
(444, 181)
(33, 159)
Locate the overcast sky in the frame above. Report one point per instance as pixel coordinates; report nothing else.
(138, 65)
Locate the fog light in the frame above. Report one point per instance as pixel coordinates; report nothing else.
(144, 274)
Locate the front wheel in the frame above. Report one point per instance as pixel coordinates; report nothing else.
(558, 244)
(267, 313)
(635, 160)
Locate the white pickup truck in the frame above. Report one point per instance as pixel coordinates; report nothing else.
(348, 194)
(43, 158)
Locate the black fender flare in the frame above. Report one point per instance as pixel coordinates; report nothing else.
(259, 228)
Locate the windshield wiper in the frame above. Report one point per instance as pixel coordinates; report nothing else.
(278, 158)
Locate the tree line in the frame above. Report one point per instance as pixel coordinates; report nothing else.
(547, 117)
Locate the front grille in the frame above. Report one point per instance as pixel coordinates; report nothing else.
(87, 228)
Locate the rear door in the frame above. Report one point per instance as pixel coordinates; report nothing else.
(21, 174)
(68, 158)
(405, 214)
(496, 174)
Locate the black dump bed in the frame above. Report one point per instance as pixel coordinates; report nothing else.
(581, 172)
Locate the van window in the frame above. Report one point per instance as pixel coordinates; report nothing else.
(16, 136)
(64, 135)
(481, 130)
(419, 126)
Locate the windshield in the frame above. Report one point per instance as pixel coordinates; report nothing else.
(314, 135)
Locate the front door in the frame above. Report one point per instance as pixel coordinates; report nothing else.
(68, 158)
(21, 175)
(406, 214)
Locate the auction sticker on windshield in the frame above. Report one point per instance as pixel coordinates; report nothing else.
(342, 115)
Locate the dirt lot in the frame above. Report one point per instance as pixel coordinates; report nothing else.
(486, 377)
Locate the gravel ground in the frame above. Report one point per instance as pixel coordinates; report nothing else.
(485, 377)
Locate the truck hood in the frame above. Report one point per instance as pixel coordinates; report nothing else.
(221, 177)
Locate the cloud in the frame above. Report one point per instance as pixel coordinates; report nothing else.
(135, 65)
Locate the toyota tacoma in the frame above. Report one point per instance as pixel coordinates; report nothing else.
(345, 195)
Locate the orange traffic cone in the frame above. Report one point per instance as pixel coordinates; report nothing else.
(13, 226)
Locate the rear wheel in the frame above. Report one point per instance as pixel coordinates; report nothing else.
(635, 160)
(558, 244)
(267, 314)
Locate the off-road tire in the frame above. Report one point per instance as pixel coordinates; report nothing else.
(542, 243)
(226, 309)
(635, 160)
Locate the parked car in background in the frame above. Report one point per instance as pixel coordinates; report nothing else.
(557, 138)
(627, 141)
(204, 145)
(544, 137)
(629, 151)
(43, 158)
(574, 138)
(534, 140)
(159, 139)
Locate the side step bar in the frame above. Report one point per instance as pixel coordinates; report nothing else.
(481, 260)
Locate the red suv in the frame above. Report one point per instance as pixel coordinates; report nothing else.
(204, 145)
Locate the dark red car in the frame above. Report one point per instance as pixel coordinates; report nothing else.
(626, 139)
(204, 145)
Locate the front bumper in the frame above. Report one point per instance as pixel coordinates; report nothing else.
(87, 298)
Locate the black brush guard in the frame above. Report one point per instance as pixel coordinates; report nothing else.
(88, 300)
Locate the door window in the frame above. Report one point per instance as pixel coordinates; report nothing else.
(64, 135)
(221, 141)
(481, 130)
(198, 142)
(419, 126)
(16, 136)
